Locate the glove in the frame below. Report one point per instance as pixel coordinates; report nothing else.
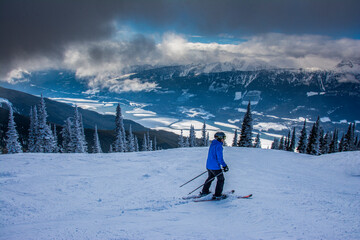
(226, 168)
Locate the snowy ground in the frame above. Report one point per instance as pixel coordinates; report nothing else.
(137, 196)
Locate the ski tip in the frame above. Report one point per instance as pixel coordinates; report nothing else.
(248, 196)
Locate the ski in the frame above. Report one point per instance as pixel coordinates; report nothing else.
(211, 199)
(194, 197)
(215, 199)
(202, 196)
(247, 196)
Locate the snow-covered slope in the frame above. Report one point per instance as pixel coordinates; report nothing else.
(137, 196)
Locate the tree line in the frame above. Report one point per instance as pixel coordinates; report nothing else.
(318, 142)
(44, 139)
(192, 141)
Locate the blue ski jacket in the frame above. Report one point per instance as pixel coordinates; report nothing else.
(215, 156)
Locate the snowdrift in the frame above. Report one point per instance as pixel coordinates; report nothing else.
(137, 196)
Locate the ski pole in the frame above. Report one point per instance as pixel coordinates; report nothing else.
(204, 183)
(194, 178)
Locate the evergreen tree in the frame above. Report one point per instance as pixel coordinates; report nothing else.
(334, 147)
(203, 135)
(77, 136)
(145, 144)
(313, 141)
(192, 137)
(66, 134)
(155, 144)
(302, 140)
(97, 146)
(235, 140)
(321, 140)
(120, 142)
(246, 129)
(207, 139)
(282, 145)
(257, 141)
(150, 145)
(341, 144)
(149, 142)
(131, 142)
(12, 140)
(275, 144)
(325, 146)
(136, 141)
(33, 129)
(348, 144)
(45, 139)
(287, 142)
(181, 140)
(56, 144)
(83, 133)
(292, 141)
(187, 142)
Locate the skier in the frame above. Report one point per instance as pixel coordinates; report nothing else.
(214, 162)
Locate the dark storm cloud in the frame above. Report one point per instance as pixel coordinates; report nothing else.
(35, 28)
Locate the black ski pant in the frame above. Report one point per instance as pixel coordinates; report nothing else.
(219, 184)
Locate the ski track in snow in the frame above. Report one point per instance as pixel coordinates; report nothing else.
(137, 196)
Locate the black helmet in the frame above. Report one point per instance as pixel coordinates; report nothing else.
(220, 135)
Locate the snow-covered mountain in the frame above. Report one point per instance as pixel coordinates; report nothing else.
(218, 92)
(137, 196)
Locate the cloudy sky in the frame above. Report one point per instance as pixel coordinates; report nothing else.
(103, 38)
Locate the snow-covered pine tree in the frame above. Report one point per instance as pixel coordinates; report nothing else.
(145, 144)
(155, 144)
(292, 141)
(207, 139)
(275, 144)
(66, 134)
(341, 144)
(257, 143)
(203, 135)
(192, 136)
(97, 146)
(56, 144)
(235, 140)
(119, 145)
(356, 142)
(36, 130)
(149, 142)
(246, 129)
(187, 142)
(302, 140)
(353, 145)
(120, 142)
(334, 147)
(131, 143)
(321, 139)
(136, 141)
(45, 139)
(150, 145)
(281, 144)
(83, 133)
(313, 141)
(325, 144)
(77, 133)
(287, 142)
(12, 140)
(348, 144)
(181, 143)
(32, 129)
